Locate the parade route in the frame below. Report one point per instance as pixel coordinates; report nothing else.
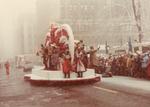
(74, 53)
(117, 91)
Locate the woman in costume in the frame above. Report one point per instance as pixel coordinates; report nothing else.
(80, 66)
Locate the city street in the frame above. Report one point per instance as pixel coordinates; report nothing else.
(51, 50)
(110, 92)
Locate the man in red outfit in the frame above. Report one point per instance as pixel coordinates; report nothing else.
(67, 65)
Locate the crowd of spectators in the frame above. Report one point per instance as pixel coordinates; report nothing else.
(134, 65)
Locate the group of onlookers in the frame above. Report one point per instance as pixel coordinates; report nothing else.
(135, 65)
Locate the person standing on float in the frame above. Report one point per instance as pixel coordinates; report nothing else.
(55, 58)
(44, 52)
(84, 58)
(50, 50)
(67, 65)
(80, 66)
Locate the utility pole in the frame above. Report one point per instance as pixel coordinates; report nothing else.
(106, 47)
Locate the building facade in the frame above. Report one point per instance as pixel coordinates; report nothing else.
(97, 20)
(80, 14)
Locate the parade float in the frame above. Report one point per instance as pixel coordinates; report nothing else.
(61, 65)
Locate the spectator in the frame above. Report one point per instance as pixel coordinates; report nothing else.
(144, 64)
(7, 67)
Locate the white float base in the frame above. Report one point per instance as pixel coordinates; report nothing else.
(39, 75)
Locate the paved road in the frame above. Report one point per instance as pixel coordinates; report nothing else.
(111, 92)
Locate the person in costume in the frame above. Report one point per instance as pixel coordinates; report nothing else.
(44, 52)
(84, 57)
(80, 66)
(50, 51)
(67, 65)
(55, 58)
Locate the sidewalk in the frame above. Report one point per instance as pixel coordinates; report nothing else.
(129, 82)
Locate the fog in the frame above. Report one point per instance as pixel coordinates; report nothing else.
(24, 23)
(19, 20)
(12, 23)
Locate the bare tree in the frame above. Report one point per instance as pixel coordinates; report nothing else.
(137, 15)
